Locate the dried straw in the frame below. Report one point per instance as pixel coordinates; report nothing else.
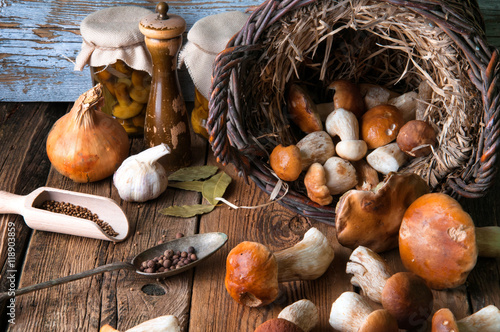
(366, 42)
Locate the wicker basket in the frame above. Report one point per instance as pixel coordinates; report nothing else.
(393, 43)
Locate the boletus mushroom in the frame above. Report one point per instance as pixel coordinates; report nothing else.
(300, 316)
(302, 110)
(253, 271)
(439, 242)
(168, 323)
(372, 218)
(352, 312)
(404, 294)
(484, 320)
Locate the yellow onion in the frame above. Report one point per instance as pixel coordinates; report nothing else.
(86, 144)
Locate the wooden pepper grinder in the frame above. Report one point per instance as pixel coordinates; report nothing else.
(166, 115)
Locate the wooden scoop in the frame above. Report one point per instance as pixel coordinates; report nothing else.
(37, 218)
(205, 244)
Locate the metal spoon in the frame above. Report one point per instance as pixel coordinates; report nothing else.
(29, 207)
(205, 245)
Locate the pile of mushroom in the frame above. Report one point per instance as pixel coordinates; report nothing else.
(362, 123)
(253, 272)
(300, 316)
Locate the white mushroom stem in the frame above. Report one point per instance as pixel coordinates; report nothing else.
(167, 323)
(349, 312)
(370, 272)
(306, 260)
(352, 150)
(484, 320)
(342, 123)
(315, 147)
(387, 158)
(302, 313)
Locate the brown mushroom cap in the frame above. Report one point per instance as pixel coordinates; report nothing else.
(408, 299)
(416, 138)
(348, 96)
(278, 325)
(372, 218)
(252, 274)
(379, 320)
(286, 162)
(444, 321)
(380, 125)
(302, 110)
(437, 241)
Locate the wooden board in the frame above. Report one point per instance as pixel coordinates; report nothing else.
(40, 39)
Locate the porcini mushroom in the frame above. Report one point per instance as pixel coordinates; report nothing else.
(416, 138)
(253, 271)
(344, 124)
(302, 110)
(351, 312)
(315, 182)
(315, 147)
(380, 125)
(300, 316)
(438, 241)
(387, 158)
(347, 96)
(404, 295)
(485, 320)
(168, 323)
(372, 218)
(340, 175)
(375, 95)
(368, 177)
(406, 104)
(286, 162)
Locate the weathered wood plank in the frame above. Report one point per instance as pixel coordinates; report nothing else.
(212, 308)
(114, 298)
(23, 168)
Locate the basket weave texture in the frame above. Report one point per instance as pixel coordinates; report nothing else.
(397, 44)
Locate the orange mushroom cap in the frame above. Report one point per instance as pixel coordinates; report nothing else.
(380, 125)
(278, 325)
(437, 241)
(252, 274)
(302, 110)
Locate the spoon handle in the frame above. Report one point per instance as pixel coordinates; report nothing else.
(63, 280)
(11, 203)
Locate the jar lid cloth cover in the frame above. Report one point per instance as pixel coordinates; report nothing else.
(111, 34)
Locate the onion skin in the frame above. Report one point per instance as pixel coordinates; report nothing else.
(87, 145)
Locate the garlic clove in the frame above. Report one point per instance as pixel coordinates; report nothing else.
(140, 177)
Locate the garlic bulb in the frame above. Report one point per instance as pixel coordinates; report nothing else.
(140, 177)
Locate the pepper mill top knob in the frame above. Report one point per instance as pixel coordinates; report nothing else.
(162, 25)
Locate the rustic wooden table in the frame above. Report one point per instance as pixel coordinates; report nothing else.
(37, 86)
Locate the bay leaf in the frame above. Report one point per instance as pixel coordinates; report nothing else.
(188, 185)
(193, 173)
(186, 211)
(215, 187)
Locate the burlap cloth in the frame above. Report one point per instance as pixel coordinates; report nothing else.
(111, 34)
(206, 39)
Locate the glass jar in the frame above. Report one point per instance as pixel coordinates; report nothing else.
(114, 49)
(126, 94)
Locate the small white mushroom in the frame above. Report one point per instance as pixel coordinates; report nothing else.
(340, 175)
(387, 158)
(351, 312)
(302, 313)
(315, 147)
(342, 123)
(407, 104)
(295, 263)
(352, 150)
(375, 95)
